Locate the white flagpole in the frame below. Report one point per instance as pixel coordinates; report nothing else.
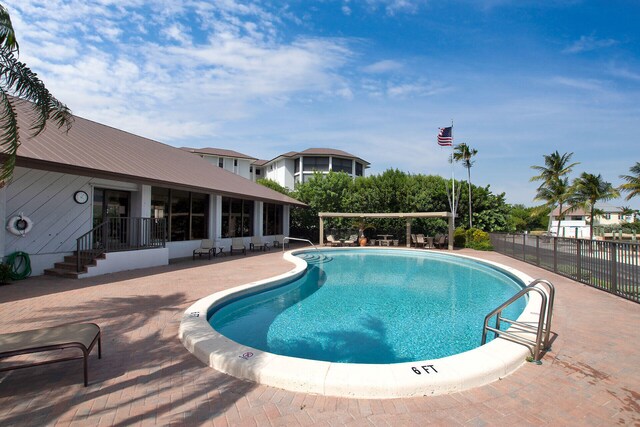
(453, 180)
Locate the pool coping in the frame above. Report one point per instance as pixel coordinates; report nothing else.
(482, 365)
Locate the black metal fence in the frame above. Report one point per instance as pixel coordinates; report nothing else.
(608, 265)
(120, 234)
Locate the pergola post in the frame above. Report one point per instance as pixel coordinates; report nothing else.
(408, 232)
(321, 243)
(451, 230)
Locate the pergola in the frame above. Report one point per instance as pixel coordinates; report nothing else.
(408, 216)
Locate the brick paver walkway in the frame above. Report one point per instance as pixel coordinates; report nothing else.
(146, 377)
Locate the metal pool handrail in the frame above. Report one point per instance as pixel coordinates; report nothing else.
(302, 240)
(542, 330)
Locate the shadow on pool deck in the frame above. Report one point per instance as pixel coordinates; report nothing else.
(591, 375)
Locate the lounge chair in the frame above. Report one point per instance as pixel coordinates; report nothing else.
(420, 242)
(77, 335)
(441, 242)
(237, 244)
(257, 243)
(414, 240)
(331, 241)
(206, 248)
(351, 241)
(278, 240)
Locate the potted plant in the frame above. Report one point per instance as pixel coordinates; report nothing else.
(362, 226)
(5, 274)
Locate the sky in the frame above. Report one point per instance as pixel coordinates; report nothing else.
(376, 78)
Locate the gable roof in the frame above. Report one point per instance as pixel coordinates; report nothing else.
(96, 150)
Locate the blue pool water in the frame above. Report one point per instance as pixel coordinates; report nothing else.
(372, 306)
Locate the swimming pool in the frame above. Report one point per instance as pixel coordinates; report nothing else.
(429, 376)
(363, 306)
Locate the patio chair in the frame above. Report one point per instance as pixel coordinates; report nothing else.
(257, 243)
(441, 242)
(420, 242)
(278, 240)
(351, 241)
(395, 242)
(237, 244)
(373, 242)
(414, 240)
(82, 336)
(206, 248)
(331, 241)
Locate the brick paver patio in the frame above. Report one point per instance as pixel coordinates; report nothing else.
(146, 377)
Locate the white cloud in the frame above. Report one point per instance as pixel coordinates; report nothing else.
(384, 66)
(589, 43)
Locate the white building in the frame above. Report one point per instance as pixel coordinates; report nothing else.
(575, 222)
(287, 169)
(129, 200)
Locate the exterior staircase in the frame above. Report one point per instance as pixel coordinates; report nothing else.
(68, 268)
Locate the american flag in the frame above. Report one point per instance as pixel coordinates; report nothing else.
(444, 137)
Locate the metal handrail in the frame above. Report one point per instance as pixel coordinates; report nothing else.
(542, 329)
(302, 240)
(119, 234)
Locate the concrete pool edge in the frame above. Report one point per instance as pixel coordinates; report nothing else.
(473, 368)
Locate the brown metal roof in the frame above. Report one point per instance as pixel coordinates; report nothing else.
(222, 152)
(97, 150)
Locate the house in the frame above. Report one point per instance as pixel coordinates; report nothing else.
(138, 201)
(575, 222)
(287, 169)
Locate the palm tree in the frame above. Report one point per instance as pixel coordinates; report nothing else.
(588, 189)
(463, 153)
(633, 182)
(554, 189)
(17, 80)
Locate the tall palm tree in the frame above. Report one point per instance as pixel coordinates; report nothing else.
(633, 182)
(463, 153)
(588, 189)
(17, 80)
(554, 189)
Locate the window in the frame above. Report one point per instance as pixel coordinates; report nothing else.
(186, 213)
(341, 165)
(220, 162)
(315, 164)
(359, 169)
(235, 162)
(258, 171)
(607, 216)
(271, 219)
(237, 217)
(296, 166)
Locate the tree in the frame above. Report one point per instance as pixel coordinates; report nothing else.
(588, 189)
(17, 80)
(554, 189)
(463, 153)
(633, 182)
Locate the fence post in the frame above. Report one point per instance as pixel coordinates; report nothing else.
(538, 251)
(578, 260)
(555, 254)
(524, 247)
(614, 268)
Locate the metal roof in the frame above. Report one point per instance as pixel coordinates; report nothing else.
(96, 150)
(221, 152)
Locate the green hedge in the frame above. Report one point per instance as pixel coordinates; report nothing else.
(473, 238)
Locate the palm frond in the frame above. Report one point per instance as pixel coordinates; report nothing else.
(9, 137)
(7, 35)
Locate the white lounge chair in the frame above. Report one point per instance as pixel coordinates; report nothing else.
(237, 244)
(351, 241)
(331, 241)
(206, 248)
(257, 243)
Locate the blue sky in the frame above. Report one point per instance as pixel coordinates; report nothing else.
(376, 78)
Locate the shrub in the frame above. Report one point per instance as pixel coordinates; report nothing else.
(478, 239)
(460, 238)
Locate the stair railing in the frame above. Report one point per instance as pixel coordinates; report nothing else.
(120, 234)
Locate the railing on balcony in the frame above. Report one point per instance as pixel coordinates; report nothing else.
(120, 234)
(612, 266)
